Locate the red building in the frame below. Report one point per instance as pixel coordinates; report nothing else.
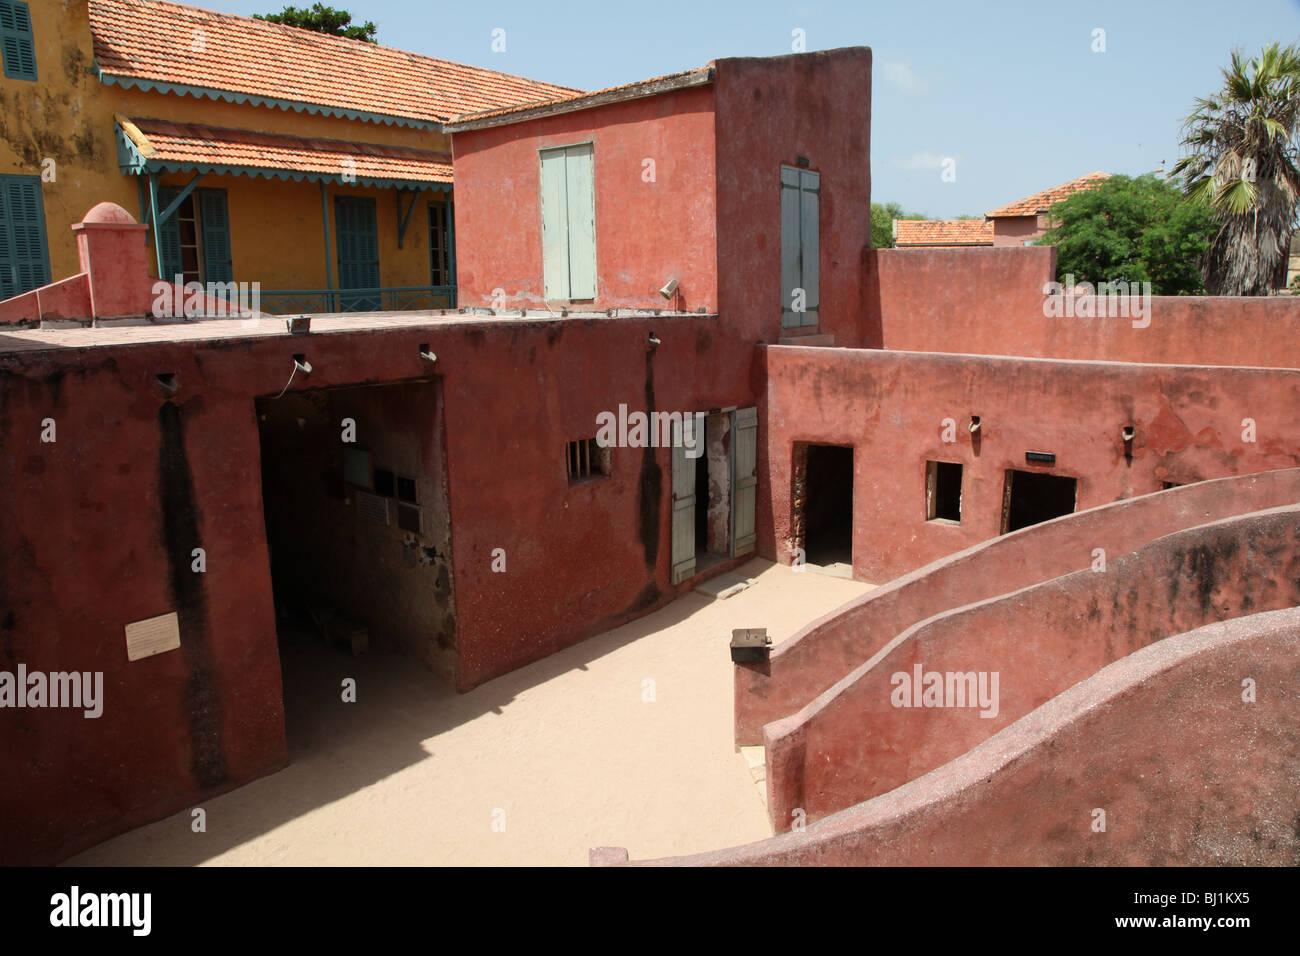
(688, 245)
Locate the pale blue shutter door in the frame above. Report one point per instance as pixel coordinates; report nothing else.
(810, 244)
(744, 479)
(214, 218)
(555, 225)
(791, 238)
(683, 522)
(582, 221)
(24, 257)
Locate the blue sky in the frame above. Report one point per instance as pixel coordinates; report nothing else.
(1011, 90)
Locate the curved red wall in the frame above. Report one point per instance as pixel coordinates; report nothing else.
(1186, 771)
(827, 649)
(855, 741)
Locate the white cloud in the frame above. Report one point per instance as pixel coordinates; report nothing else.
(925, 159)
(898, 73)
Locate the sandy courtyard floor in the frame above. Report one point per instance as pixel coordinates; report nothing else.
(566, 753)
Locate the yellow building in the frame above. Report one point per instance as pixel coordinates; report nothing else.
(313, 165)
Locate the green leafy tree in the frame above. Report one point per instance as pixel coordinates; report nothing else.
(1132, 229)
(882, 223)
(322, 19)
(1241, 162)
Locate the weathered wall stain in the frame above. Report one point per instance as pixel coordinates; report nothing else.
(179, 522)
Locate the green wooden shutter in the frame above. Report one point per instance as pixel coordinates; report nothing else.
(356, 227)
(24, 256)
(800, 245)
(555, 225)
(17, 41)
(580, 174)
(568, 198)
(168, 236)
(214, 220)
(744, 479)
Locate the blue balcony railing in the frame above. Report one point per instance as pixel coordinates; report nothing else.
(391, 299)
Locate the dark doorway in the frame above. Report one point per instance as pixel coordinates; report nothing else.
(701, 503)
(828, 508)
(358, 530)
(1032, 497)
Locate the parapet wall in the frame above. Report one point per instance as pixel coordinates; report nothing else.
(990, 301)
(881, 726)
(1165, 757)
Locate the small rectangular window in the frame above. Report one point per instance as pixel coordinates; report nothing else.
(358, 468)
(17, 40)
(587, 459)
(406, 490)
(943, 491)
(384, 482)
(408, 518)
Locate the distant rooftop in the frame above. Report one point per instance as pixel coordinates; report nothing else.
(1043, 201)
(943, 232)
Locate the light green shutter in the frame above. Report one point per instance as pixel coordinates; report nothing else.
(810, 245)
(555, 224)
(214, 219)
(582, 221)
(791, 277)
(568, 222)
(744, 479)
(800, 246)
(683, 520)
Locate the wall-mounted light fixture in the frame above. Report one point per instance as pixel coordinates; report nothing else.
(168, 382)
(297, 324)
(669, 289)
(974, 425)
(1127, 434)
(654, 342)
(301, 364)
(426, 353)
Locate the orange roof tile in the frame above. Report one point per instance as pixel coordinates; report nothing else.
(1041, 202)
(943, 232)
(183, 146)
(149, 42)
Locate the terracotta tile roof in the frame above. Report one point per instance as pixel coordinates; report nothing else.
(185, 145)
(1041, 202)
(148, 42)
(944, 232)
(579, 100)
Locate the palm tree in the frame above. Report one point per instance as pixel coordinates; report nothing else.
(1241, 161)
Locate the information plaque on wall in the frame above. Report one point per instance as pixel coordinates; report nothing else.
(153, 635)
